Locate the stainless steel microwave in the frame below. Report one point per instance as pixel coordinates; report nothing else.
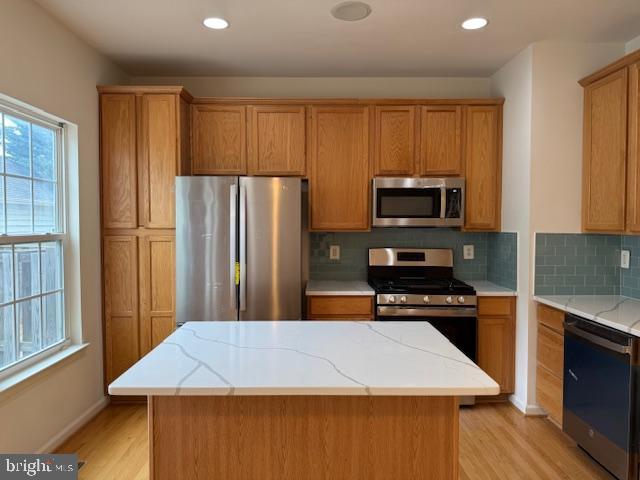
(418, 202)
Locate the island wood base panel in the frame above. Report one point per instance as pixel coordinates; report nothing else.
(303, 437)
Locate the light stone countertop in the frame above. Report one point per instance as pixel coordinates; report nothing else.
(305, 358)
(615, 311)
(339, 287)
(485, 288)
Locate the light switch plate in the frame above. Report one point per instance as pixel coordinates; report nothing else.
(334, 252)
(468, 252)
(624, 258)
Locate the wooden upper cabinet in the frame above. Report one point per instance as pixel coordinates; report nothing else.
(339, 174)
(118, 160)
(604, 154)
(120, 263)
(157, 289)
(395, 140)
(219, 140)
(441, 140)
(633, 155)
(158, 161)
(277, 140)
(483, 167)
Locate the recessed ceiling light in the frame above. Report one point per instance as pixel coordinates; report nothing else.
(351, 11)
(216, 23)
(474, 23)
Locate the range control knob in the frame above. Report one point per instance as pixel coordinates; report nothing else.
(392, 299)
(403, 299)
(461, 299)
(448, 300)
(426, 299)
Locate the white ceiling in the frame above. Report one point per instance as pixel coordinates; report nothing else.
(301, 38)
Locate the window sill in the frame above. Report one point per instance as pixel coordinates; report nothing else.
(42, 366)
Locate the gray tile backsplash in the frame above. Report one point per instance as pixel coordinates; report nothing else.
(577, 264)
(354, 247)
(502, 258)
(630, 278)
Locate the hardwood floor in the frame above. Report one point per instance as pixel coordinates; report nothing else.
(496, 442)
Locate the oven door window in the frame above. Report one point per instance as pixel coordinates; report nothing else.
(408, 203)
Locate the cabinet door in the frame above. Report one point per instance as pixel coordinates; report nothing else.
(395, 140)
(604, 152)
(441, 140)
(496, 345)
(219, 140)
(633, 157)
(157, 290)
(118, 160)
(339, 177)
(120, 264)
(277, 140)
(483, 167)
(158, 159)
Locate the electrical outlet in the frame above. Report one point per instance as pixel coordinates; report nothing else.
(334, 252)
(468, 252)
(624, 258)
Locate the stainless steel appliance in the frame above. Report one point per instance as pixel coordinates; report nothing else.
(238, 248)
(418, 202)
(601, 409)
(414, 284)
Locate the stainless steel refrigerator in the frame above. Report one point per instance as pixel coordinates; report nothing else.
(238, 248)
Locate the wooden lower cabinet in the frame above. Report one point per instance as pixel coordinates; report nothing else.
(550, 361)
(120, 263)
(157, 290)
(139, 295)
(496, 340)
(348, 307)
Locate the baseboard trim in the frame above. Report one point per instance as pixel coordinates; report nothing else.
(74, 426)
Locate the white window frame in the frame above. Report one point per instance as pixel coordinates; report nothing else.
(33, 117)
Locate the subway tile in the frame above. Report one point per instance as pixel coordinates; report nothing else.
(546, 269)
(574, 280)
(556, 240)
(565, 270)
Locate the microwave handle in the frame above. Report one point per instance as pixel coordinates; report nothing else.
(443, 202)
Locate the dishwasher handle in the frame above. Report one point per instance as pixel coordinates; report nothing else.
(571, 327)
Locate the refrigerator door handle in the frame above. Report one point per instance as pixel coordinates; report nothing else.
(243, 248)
(233, 221)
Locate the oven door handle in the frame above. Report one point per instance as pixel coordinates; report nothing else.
(426, 312)
(597, 340)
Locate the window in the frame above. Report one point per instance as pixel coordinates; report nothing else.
(32, 238)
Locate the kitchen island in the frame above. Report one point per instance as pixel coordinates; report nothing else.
(304, 400)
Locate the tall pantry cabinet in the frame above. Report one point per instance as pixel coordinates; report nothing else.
(144, 145)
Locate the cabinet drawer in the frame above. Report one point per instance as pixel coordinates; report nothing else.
(492, 306)
(339, 307)
(551, 350)
(549, 393)
(551, 317)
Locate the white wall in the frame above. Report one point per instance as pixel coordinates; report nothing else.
(514, 82)
(46, 66)
(326, 87)
(632, 45)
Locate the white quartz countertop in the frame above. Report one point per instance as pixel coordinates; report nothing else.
(615, 311)
(485, 288)
(305, 358)
(339, 287)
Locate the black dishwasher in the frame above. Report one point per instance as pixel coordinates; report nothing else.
(601, 409)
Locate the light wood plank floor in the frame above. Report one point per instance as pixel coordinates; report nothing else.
(496, 442)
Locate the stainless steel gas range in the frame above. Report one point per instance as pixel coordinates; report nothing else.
(418, 285)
